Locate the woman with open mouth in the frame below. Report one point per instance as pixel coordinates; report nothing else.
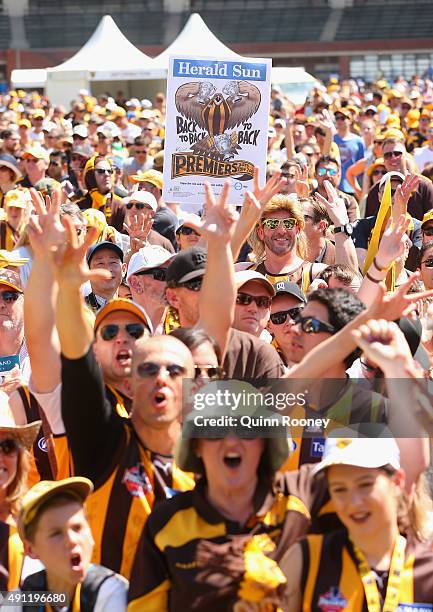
(218, 545)
(380, 561)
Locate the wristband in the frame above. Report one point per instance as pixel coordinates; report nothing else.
(373, 280)
(378, 268)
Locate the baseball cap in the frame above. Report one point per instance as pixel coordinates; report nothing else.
(428, 216)
(11, 278)
(143, 197)
(39, 113)
(187, 265)
(286, 287)
(376, 164)
(80, 130)
(371, 107)
(342, 110)
(122, 305)
(188, 219)
(36, 152)
(150, 176)
(359, 452)
(148, 257)
(244, 276)
(17, 198)
(390, 175)
(104, 245)
(77, 487)
(24, 123)
(83, 150)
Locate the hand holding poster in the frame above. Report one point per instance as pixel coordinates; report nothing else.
(216, 127)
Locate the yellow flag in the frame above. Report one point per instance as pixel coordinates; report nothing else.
(379, 227)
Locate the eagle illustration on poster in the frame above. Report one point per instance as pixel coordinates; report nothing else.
(217, 112)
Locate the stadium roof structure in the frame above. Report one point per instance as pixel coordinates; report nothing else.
(108, 55)
(195, 40)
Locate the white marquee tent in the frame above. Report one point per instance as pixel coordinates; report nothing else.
(194, 39)
(107, 56)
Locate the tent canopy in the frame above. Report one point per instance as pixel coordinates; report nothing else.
(194, 39)
(108, 55)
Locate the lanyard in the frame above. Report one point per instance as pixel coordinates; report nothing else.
(369, 583)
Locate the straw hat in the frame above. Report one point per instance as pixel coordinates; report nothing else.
(25, 434)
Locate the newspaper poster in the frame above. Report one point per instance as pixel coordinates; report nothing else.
(216, 127)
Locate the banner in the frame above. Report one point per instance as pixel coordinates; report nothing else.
(216, 127)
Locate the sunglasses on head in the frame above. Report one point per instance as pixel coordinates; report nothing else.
(390, 154)
(245, 299)
(428, 262)
(159, 274)
(278, 318)
(9, 447)
(311, 325)
(211, 372)
(186, 231)
(104, 170)
(9, 296)
(330, 171)
(274, 224)
(149, 368)
(111, 331)
(192, 285)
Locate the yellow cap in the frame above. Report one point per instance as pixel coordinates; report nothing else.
(11, 278)
(427, 217)
(377, 163)
(122, 305)
(17, 198)
(79, 488)
(150, 176)
(38, 113)
(393, 121)
(25, 122)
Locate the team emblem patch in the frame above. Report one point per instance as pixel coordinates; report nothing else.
(332, 601)
(137, 481)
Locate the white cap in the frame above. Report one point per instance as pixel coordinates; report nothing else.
(133, 102)
(187, 219)
(48, 126)
(148, 257)
(244, 276)
(359, 452)
(143, 197)
(390, 175)
(145, 103)
(80, 130)
(83, 92)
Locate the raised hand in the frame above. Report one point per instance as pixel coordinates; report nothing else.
(326, 122)
(383, 343)
(220, 220)
(391, 245)
(302, 187)
(399, 303)
(138, 230)
(335, 205)
(69, 260)
(46, 231)
(403, 193)
(271, 188)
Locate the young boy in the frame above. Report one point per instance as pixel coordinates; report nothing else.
(54, 528)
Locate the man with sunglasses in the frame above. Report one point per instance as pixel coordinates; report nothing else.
(104, 256)
(133, 217)
(139, 162)
(98, 178)
(286, 306)
(336, 397)
(425, 264)
(130, 461)
(186, 236)
(253, 302)
(36, 166)
(329, 169)
(395, 160)
(12, 341)
(146, 277)
(400, 194)
(427, 227)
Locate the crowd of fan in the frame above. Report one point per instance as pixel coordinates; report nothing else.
(111, 298)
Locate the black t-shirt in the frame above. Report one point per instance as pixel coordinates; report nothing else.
(363, 228)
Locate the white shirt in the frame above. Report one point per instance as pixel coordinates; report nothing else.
(423, 157)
